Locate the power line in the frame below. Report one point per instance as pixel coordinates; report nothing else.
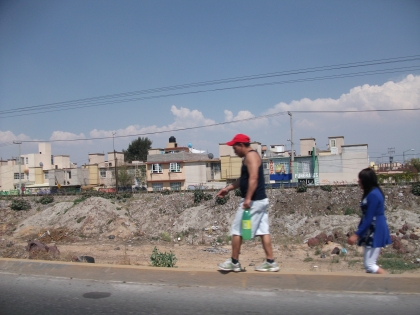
(228, 122)
(89, 102)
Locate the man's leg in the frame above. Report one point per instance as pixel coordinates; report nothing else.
(266, 243)
(236, 246)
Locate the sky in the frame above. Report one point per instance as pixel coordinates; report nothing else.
(108, 72)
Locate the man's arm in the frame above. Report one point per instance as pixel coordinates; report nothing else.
(252, 162)
(224, 191)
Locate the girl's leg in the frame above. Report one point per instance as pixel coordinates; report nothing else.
(370, 258)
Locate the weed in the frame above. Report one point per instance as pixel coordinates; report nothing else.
(238, 192)
(159, 259)
(80, 219)
(301, 188)
(46, 199)
(318, 251)
(110, 221)
(207, 197)
(118, 208)
(198, 195)
(20, 204)
(165, 236)
(79, 200)
(335, 260)
(326, 188)
(223, 200)
(307, 259)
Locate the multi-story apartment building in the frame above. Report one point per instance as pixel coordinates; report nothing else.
(41, 170)
(176, 168)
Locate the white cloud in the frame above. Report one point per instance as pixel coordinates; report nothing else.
(8, 136)
(391, 95)
(63, 135)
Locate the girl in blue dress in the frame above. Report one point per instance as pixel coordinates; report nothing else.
(372, 232)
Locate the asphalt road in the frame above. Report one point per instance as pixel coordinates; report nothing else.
(27, 294)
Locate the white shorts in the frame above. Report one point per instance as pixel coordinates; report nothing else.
(259, 218)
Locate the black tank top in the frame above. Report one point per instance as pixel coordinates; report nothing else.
(259, 192)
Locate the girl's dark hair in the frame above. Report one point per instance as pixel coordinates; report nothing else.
(369, 180)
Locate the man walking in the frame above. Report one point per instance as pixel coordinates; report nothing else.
(251, 184)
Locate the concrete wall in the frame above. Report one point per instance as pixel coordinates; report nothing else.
(343, 168)
(230, 167)
(195, 173)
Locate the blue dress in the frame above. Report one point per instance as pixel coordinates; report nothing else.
(373, 229)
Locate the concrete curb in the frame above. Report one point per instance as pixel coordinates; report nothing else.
(304, 281)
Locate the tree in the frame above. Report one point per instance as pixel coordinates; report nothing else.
(416, 164)
(137, 150)
(125, 179)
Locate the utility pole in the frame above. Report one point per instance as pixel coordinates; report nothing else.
(20, 177)
(115, 164)
(391, 151)
(292, 144)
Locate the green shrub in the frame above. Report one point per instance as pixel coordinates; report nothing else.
(165, 259)
(198, 195)
(416, 189)
(46, 199)
(326, 188)
(20, 204)
(238, 192)
(301, 188)
(207, 197)
(223, 200)
(165, 192)
(307, 259)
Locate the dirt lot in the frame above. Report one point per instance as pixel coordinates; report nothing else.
(125, 230)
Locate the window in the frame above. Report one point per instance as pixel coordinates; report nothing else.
(102, 173)
(156, 168)
(174, 167)
(16, 176)
(157, 186)
(332, 141)
(27, 176)
(69, 174)
(27, 161)
(46, 175)
(175, 186)
(266, 165)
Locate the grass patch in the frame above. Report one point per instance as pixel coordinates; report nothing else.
(335, 260)
(353, 262)
(396, 265)
(165, 236)
(350, 211)
(79, 200)
(307, 259)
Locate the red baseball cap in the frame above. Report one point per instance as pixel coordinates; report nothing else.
(240, 137)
